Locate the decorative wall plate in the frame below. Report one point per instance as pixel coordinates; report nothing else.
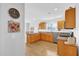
(14, 13)
(13, 26)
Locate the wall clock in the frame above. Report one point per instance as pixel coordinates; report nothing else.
(14, 13)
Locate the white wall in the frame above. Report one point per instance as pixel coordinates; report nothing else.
(77, 26)
(11, 43)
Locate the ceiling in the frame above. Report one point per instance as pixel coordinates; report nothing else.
(45, 11)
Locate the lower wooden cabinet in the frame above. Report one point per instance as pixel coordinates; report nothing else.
(70, 50)
(44, 36)
(60, 47)
(33, 37)
(47, 36)
(66, 49)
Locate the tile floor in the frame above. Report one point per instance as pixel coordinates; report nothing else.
(41, 48)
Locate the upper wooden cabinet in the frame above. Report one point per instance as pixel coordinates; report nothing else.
(70, 18)
(60, 24)
(42, 25)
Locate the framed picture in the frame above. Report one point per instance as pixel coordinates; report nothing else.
(13, 26)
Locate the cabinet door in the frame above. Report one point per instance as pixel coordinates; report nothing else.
(47, 36)
(42, 25)
(71, 50)
(36, 37)
(33, 38)
(42, 36)
(60, 24)
(60, 47)
(70, 18)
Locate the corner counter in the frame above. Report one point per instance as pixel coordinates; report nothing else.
(66, 49)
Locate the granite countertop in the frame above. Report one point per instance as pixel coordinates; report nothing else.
(46, 30)
(32, 32)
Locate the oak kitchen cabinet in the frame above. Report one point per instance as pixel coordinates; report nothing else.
(60, 47)
(60, 24)
(66, 49)
(70, 18)
(42, 36)
(70, 50)
(42, 25)
(47, 36)
(33, 37)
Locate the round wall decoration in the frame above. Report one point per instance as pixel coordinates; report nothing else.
(14, 13)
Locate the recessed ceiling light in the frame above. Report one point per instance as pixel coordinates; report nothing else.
(55, 9)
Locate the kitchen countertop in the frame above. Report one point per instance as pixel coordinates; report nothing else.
(37, 31)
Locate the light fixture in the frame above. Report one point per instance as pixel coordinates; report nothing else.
(55, 9)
